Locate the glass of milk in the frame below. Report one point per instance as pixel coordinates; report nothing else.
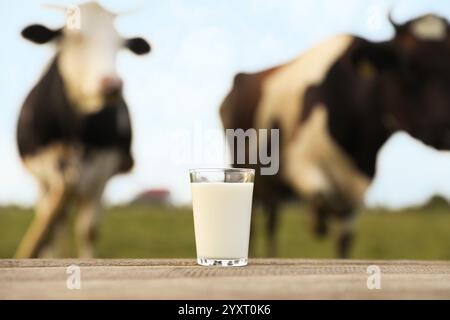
(222, 205)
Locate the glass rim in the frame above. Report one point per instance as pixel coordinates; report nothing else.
(242, 170)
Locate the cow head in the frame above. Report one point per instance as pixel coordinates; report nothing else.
(412, 75)
(87, 54)
(422, 47)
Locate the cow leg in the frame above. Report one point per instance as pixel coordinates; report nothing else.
(345, 236)
(60, 245)
(56, 169)
(334, 206)
(272, 223)
(49, 209)
(86, 225)
(97, 170)
(320, 215)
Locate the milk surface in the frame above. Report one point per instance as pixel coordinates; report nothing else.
(222, 213)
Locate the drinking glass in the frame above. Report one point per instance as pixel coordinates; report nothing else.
(222, 205)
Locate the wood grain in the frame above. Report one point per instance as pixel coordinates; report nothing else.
(261, 279)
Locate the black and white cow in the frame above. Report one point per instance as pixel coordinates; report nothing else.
(74, 131)
(336, 105)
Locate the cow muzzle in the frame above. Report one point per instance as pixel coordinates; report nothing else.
(111, 86)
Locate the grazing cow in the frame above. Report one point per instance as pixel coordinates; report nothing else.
(335, 106)
(74, 131)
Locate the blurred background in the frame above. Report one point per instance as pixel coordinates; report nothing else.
(198, 46)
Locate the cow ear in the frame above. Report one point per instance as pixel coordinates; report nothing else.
(138, 45)
(40, 34)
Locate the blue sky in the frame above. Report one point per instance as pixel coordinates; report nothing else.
(197, 48)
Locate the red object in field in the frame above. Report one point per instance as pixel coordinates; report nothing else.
(152, 196)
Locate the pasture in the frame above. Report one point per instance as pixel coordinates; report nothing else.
(167, 232)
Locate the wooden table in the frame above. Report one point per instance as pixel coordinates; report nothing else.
(261, 279)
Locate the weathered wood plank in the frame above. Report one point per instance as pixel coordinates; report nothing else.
(262, 279)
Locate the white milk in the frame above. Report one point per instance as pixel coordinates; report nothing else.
(222, 214)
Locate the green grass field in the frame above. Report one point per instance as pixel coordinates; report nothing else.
(165, 232)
